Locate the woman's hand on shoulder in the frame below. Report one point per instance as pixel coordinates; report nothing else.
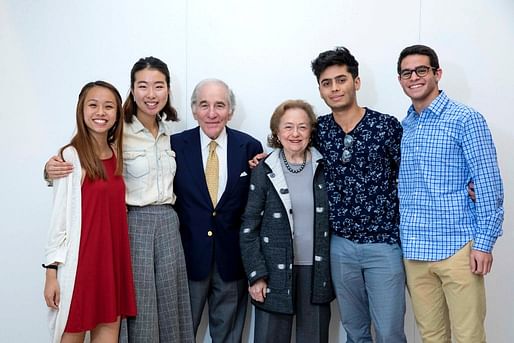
(56, 168)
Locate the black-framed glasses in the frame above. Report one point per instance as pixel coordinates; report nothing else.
(421, 71)
(347, 153)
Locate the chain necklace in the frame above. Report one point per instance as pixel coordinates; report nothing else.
(288, 167)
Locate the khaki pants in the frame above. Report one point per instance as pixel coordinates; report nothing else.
(447, 299)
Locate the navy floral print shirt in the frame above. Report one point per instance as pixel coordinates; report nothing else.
(361, 173)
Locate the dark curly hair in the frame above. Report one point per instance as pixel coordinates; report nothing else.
(338, 56)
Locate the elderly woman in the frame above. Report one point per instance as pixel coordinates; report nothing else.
(285, 237)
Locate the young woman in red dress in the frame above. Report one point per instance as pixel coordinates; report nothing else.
(89, 285)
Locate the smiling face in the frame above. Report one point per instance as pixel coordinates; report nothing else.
(421, 90)
(212, 108)
(338, 88)
(150, 92)
(99, 111)
(294, 131)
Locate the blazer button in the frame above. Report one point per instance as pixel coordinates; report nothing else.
(209, 233)
(214, 214)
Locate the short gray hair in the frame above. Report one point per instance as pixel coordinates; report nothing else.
(231, 98)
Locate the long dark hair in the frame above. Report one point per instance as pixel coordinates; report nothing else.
(130, 107)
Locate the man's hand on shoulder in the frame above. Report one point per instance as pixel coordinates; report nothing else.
(254, 162)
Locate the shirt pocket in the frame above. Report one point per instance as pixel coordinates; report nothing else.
(168, 161)
(136, 164)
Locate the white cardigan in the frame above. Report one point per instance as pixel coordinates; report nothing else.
(64, 240)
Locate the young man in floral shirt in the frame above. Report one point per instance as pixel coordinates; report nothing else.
(361, 149)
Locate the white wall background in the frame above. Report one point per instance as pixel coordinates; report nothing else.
(263, 49)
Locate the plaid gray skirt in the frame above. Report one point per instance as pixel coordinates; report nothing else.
(160, 278)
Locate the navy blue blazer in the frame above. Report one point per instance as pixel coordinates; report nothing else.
(195, 210)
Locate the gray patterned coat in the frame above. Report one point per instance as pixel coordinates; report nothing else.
(267, 230)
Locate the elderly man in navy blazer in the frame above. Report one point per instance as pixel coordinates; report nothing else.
(210, 215)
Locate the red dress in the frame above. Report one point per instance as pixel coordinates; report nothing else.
(104, 287)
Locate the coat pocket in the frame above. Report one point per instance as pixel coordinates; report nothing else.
(278, 268)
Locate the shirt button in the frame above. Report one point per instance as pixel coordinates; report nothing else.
(209, 233)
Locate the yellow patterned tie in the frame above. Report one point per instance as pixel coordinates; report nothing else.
(212, 172)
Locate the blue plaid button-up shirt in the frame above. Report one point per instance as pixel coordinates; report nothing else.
(443, 148)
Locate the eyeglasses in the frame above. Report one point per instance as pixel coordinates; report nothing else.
(347, 154)
(421, 71)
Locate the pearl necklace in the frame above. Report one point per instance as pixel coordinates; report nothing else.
(288, 167)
